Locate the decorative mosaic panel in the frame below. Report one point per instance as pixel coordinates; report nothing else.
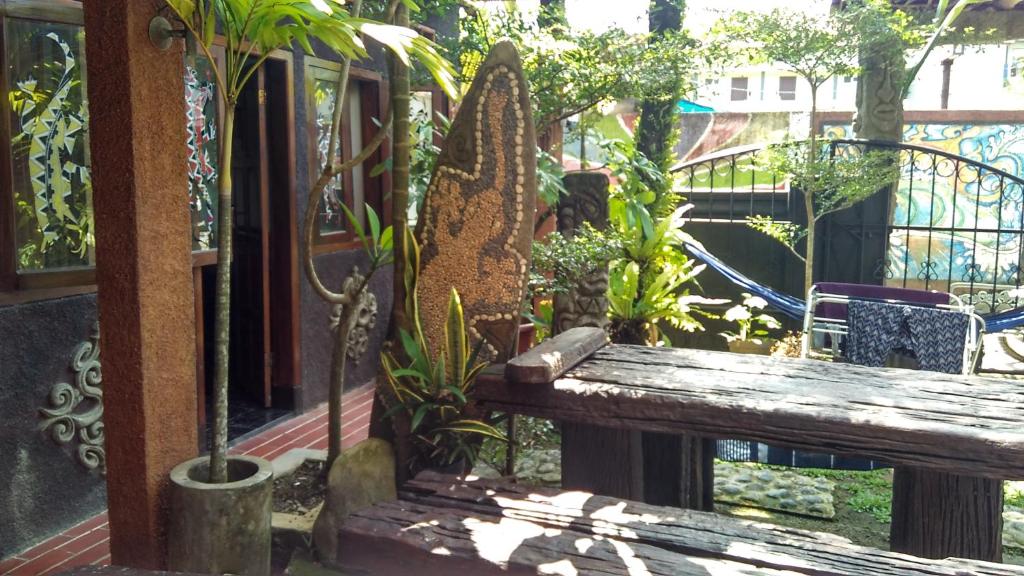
(201, 116)
(476, 227)
(49, 144)
(331, 217)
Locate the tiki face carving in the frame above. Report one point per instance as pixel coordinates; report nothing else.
(477, 221)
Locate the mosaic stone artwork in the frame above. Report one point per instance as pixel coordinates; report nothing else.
(979, 212)
(477, 220)
(201, 115)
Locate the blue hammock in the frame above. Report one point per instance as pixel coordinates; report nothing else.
(795, 308)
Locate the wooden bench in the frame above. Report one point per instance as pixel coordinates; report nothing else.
(446, 525)
(951, 438)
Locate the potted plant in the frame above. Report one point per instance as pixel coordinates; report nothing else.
(220, 505)
(752, 336)
(430, 395)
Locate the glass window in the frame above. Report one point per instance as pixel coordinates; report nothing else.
(331, 219)
(739, 88)
(49, 144)
(201, 118)
(787, 88)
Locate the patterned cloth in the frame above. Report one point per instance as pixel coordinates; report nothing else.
(936, 337)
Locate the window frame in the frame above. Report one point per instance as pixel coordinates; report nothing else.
(373, 106)
(55, 282)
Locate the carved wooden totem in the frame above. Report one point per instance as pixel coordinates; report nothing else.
(477, 222)
(586, 304)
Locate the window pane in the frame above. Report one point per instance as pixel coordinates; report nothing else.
(201, 118)
(49, 143)
(739, 88)
(787, 88)
(331, 218)
(421, 127)
(355, 123)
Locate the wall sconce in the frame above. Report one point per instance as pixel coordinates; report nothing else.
(162, 33)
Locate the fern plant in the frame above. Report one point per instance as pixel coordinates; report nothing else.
(430, 394)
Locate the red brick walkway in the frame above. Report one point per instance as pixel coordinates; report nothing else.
(88, 542)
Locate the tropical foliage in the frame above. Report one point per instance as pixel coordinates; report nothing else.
(432, 394)
(649, 282)
(751, 322)
(570, 71)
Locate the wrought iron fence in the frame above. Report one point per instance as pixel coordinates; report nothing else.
(951, 223)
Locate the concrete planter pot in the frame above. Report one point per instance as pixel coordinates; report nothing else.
(762, 348)
(221, 528)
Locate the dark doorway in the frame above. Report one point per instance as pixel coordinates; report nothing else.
(256, 175)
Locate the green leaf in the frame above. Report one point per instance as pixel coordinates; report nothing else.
(371, 215)
(419, 415)
(381, 168)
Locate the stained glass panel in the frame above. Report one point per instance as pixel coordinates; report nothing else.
(49, 143)
(331, 218)
(201, 117)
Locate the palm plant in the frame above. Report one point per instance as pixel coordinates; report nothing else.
(432, 394)
(252, 31)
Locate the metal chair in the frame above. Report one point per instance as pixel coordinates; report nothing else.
(826, 325)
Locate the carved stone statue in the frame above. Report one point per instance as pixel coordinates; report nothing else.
(586, 304)
(879, 103)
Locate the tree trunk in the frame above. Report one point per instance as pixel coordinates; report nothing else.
(339, 357)
(938, 515)
(812, 159)
(399, 176)
(222, 322)
(657, 125)
(552, 13)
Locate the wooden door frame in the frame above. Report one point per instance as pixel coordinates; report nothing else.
(284, 312)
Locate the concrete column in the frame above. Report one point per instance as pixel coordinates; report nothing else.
(137, 141)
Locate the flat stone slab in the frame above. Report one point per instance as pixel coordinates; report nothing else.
(771, 489)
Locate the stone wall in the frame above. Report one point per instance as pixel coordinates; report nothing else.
(46, 488)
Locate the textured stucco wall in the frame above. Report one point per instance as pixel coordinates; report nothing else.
(43, 489)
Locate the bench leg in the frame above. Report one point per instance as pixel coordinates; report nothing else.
(938, 515)
(679, 470)
(605, 461)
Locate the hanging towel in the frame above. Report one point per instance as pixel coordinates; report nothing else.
(937, 337)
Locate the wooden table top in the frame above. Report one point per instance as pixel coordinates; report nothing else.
(960, 424)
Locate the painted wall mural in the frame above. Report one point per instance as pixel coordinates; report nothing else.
(955, 225)
(201, 115)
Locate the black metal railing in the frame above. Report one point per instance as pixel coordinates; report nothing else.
(950, 223)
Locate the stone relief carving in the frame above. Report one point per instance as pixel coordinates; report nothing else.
(363, 321)
(587, 304)
(75, 412)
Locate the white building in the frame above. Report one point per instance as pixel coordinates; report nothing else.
(989, 77)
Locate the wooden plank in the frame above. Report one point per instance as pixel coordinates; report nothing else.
(963, 425)
(553, 357)
(442, 526)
